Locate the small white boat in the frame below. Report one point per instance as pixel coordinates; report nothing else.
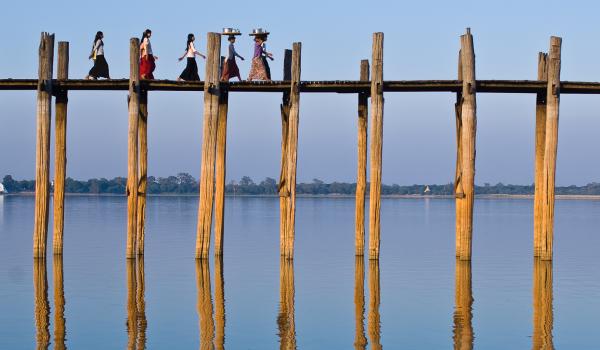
(2, 189)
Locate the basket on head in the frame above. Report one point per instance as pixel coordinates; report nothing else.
(259, 32)
(231, 31)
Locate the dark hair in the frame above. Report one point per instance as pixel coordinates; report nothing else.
(99, 36)
(145, 34)
(231, 37)
(189, 40)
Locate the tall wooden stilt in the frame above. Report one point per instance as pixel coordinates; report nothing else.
(463, 308)
(361, 178)
(540, 143)
(132, 145)
(550, 149)
(543, 316)
(209, 139)
(292, 150)
(60, 149)
(468, 128)
(360, 341)
(220, 173)
(283, 188)
(42, 152)
(143, 172)
(459, 193)
(376, 145)
(59, 303)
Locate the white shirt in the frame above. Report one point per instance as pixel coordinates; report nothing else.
(99, 47)
(191, 51)
(148, 46)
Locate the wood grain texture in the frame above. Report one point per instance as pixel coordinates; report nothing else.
(282, 187)
(376, 145)
(42, 148)
(463, 306)
(540, 144)
(60, 149)
(209, 139)
(132, 146)
(220, 173)
(361, 177)
(143, 173)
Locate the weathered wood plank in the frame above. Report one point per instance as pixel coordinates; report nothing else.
(143, 172)
(220, 173)
(60, 149)
(42, 153)
(361, 177)
(282, 187)
(132, 146)
(209, 139)
(458, 186)
(540, 143)
(376, 145)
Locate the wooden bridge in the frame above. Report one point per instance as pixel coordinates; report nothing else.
(371, 84)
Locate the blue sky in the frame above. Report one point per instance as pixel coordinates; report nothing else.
(421, 42)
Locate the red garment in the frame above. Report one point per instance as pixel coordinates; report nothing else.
(147, 66)
(230, 70)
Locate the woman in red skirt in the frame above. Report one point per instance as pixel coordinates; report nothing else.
(147, 59)
(230, 68)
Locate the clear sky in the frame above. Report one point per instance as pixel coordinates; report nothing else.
(421, 42)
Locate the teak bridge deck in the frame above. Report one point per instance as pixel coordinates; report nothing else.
(371, 85)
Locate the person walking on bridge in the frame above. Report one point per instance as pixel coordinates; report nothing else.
(100, 68)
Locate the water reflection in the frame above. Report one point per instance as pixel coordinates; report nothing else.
(285, 319)
(42, 307)
(360, 340)
(59, 304)
(136, 304)
(463, 309)
(220, 304)
(374, 327)
(542, 305)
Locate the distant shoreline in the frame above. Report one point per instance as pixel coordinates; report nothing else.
(390, 196)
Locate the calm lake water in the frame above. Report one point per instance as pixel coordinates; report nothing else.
(416, 297)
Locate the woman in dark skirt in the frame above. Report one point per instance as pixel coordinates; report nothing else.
(100, 68)
(190, 73)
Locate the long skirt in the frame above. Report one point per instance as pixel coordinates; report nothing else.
(190, 72)
(267, 68)
(147, 66)
(100, 68)
(230, 70)
(258, 70)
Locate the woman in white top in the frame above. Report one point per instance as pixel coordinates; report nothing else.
(100, 68)
(147, 58)
(190, 72)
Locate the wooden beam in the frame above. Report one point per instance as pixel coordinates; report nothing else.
(361, 177)
(292, 151)
(543, 316)
(468, 128)
(42, 152)
(60, 148)
(550, 149)
(209, 138)
(143, 172)
(283, 187)
(463, 309)
(540, 143)
(376, 144)
(220, 173)
(132, 146)
(458, 186)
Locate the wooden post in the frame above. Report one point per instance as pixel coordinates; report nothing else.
(42, 152)
(219, 304)
(374, 326)
(376, 144)
(540, 140)
(543, 316)
(220, 173)
(283, 188)
(59, 299)
(550, 148)
(143, 172)
(41, 304)
(468, 128)
(292, 150)
(286, 319)
(60, 149)
(360, 341)
(361, 178)
(132, 145)
(209, 137)
(459, 193)
(463, 309)
(204, 303)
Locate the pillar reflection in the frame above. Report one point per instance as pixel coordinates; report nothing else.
(543, 315)
(41, 304)
(286, 319)
(219, 304)
(136, 304)
(205, 306)
(374, 327)
(463, 308)
(360, 340)
(59, 304)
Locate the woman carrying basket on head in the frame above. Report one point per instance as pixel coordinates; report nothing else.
(230, 67)
(260, 67)
(100, 68)
(190, 73)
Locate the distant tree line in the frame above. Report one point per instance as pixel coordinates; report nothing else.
(184, 183)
